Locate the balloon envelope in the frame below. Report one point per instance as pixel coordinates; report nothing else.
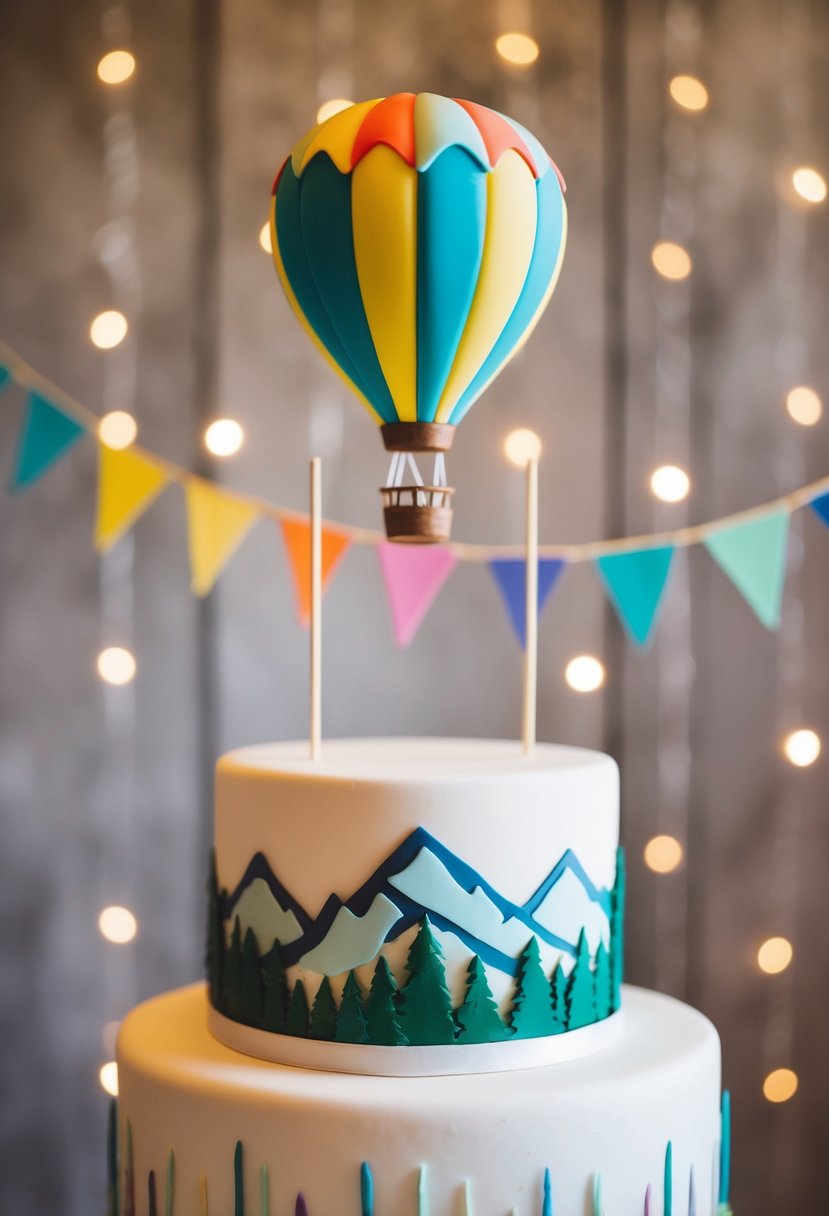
(418, 239)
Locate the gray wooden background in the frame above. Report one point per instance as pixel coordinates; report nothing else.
(105, 793)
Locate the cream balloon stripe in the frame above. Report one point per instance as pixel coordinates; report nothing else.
(23, 374)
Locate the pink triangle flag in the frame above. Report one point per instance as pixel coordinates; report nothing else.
(413, 578)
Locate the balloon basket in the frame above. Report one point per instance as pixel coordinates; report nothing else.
(417, 515)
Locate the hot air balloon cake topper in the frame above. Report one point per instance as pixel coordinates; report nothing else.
(418, 239)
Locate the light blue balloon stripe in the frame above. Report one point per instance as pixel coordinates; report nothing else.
(451, 221)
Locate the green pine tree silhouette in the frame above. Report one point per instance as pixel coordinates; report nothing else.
(581, 1005)
(478, 1018)
(296, 1021)
(424, 1006)
(216, 946)
(233, 974)
(252, 993)
(381, 1008)
(532, 1006)
(558, 988)
(276, 990)
(351, 1021)
(602, 983)
(617, 930)
(323, 1023)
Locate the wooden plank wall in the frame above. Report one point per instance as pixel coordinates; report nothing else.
(222, 91)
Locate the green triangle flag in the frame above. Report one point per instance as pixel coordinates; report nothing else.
(47, 435)
(636, 582)
(753, 555)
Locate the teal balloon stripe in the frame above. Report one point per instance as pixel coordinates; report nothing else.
(325, 219)
(545, 257)
(451, 222)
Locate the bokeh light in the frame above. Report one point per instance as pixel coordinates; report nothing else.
(517, 49)
(329, 108)
(780, 1085)
(116, 67)
(671, 260)
(810, 184)
(108, 1076)
(108, 329)
(670, 483)
(117, 429)
(584, 673)
(804, 405)
(688, 92)
(223, 437)
(265, 237)
(802, 747)
(521, 446)
(116, 665)
(663, 854)
(775, 955)
(117, 924)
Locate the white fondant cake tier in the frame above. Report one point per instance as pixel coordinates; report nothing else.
(352, 1145)
(340, 860)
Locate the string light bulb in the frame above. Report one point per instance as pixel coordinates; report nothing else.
(117, 924)
(519, 50)
(802, 747)
(265, 237)
(108, 1076)
(810, 184)
(117, 429)
(329, 108)
(108, 329)
(663, 854)
(584, 673)
(521, 446)
(775, 955)
(116, 665)
(689, 93)
(671, 260)
(804, 405)
(223, 437)
(115, 67)
(670, 483)
(780, 1085)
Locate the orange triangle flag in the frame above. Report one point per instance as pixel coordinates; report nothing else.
(296, 534)
(127, 483)
(217, 523)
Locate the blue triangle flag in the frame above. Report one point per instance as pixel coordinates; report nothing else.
(510, 574)
(5, 375)
(635, 583)
(47, 434)
(820, 506)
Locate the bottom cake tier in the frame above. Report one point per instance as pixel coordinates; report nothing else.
(204, 1129)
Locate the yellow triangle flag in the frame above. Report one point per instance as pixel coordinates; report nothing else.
(127, 483)
(217, 523)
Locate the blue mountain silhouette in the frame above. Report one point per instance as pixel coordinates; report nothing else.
(412, 912)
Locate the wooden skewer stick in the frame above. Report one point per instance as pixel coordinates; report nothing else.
(531, 621)
(316, 608)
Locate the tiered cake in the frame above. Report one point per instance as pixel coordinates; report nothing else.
(414, 1003)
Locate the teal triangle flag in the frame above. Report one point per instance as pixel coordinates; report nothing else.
(5, 376)
(753, 555)
(47, 434)
(636, 582)
(820, 506)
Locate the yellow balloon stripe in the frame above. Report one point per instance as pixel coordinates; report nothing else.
(336, 137)
(511, 219)
(384, 219)
(303, 320)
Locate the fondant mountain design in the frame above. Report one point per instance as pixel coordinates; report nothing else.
(424, 878)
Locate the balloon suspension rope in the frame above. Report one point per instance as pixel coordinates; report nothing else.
(316, 608)
(531, 622)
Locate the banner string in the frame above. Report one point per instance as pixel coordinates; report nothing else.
(680, 538)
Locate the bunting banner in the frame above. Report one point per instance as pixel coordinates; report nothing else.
(296, 533)
(48, 433)
(750, 546)
(127, 484)
(635, 583)
(413, 576)
(820, 506)
(510, 574)
(753, 555)
(216, 526)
